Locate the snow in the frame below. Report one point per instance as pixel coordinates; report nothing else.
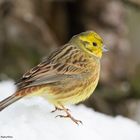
(30, 119)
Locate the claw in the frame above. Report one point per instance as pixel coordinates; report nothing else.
(59, 109)
(56, 108)
(61, 116)
(68, 115)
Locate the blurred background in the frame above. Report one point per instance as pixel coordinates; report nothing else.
(32, 29)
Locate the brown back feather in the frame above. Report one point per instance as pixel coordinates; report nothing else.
(67, 61)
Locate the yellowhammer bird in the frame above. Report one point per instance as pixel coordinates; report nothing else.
(69, 75)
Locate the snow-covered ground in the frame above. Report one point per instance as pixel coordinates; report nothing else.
(30, 119)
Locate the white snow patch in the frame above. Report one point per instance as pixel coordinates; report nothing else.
(30, 119)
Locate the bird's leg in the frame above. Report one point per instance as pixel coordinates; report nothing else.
(58, 109)
(68, 115)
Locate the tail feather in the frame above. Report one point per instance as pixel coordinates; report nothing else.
(9, 100)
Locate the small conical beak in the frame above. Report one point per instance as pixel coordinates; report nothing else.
(104, 48)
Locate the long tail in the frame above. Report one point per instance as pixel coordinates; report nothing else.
(8, 101)
(18, 95)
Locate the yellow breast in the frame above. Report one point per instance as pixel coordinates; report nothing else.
(72, 91)
(74, 95)
(81, 93)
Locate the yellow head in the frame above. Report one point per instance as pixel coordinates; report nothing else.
(90, 42)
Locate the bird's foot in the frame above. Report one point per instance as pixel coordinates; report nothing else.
(56, 108)
(59, 109)
(68, 115)
(72, 118)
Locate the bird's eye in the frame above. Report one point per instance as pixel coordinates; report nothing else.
(94, 44)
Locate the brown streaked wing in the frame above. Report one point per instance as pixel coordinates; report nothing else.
(56, 67)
